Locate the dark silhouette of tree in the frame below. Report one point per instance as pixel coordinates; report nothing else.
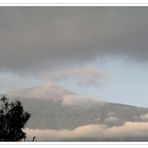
(12, 119)
(33, 139)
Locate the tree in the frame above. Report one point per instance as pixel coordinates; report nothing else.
(12, 119)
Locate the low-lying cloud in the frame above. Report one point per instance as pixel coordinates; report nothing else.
(144, 117)
(130, 131)
(80, 100)
(112, 119)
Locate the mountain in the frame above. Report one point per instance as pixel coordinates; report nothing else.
(53, 107)
(48, 91)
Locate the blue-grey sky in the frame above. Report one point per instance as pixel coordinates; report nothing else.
(96, 51)
(127, 83)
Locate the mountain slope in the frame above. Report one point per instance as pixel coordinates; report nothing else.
(53, 107)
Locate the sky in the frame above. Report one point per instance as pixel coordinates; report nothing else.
(93, 51)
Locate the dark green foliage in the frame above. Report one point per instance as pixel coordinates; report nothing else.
(12, 119)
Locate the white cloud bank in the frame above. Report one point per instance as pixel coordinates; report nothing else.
(130, 131)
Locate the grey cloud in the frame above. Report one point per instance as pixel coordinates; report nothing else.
(11, 81)
(34, 38)
(83, 75)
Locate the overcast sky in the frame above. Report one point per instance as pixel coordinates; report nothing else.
(103, 49)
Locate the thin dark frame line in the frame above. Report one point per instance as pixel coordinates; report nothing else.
(73, 144)
(74, 3)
